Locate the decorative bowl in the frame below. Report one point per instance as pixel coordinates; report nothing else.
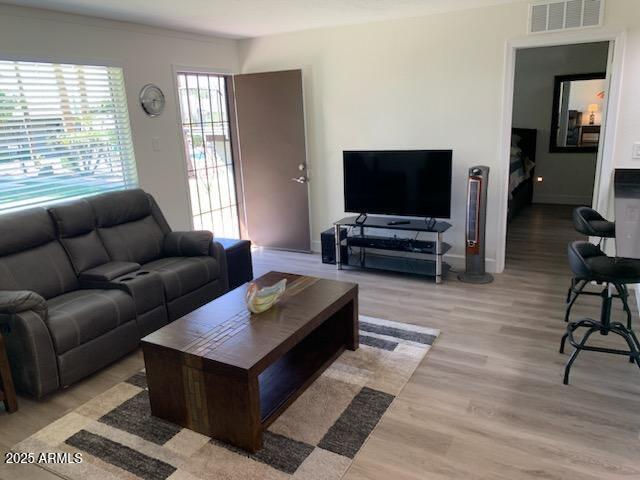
(262, 299)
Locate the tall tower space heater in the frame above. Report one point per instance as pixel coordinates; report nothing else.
(477, 183)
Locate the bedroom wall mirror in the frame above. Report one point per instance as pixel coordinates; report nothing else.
(578, 101)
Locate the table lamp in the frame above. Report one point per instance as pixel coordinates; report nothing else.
(592, 108)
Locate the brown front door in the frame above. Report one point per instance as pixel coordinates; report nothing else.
(271, 141)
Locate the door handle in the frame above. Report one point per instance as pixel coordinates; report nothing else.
(300, 179)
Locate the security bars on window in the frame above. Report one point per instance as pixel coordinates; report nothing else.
(207, 141)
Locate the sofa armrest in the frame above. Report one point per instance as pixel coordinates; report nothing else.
(216, 250)
(187, 244)
(15, 301)
(108, 271)
(29, 345)
(238, 257)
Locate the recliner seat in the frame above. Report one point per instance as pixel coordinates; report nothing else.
(192, 268)
(79, 235)
(81, 283)
(47, 334)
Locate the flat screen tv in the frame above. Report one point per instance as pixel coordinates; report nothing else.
(412, 183)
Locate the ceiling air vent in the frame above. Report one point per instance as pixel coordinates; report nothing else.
(551, 16)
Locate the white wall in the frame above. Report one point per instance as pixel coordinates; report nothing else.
(147, 55)
(429, 82)
(626, 13)
(568, 177)
(420, 83)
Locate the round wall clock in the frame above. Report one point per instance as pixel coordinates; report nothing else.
(152, 99)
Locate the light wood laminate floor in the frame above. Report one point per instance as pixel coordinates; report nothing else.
(488, 402)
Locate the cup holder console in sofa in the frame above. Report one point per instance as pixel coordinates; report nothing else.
(146, 289)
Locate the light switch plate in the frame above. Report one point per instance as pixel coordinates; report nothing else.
(155, 144)
(636, 150)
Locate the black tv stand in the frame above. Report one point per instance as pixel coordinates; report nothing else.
(431, 222)
(367, 250)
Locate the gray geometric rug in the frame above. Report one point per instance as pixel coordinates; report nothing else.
(317, 437)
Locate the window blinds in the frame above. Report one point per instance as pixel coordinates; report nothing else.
(64, 133)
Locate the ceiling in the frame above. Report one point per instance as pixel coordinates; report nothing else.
(252, 18)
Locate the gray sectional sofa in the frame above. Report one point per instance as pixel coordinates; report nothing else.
(82, 282)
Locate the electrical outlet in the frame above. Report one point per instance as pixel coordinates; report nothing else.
(636, 150)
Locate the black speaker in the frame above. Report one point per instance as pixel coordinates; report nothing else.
(328, 241)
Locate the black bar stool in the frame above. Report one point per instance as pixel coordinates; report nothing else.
(589, 222)
(589, 263)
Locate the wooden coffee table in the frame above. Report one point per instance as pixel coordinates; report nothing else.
(229, 374)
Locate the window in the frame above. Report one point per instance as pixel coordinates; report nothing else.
(64, 133)
(207, 140)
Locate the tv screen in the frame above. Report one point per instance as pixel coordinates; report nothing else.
(414, 183)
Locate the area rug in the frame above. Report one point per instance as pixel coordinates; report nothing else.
(316, 438)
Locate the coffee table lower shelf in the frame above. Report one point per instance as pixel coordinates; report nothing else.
(415, 266)
(283, 381)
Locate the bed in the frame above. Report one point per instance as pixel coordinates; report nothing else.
(521, 169)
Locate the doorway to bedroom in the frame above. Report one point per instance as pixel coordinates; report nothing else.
(559, 111)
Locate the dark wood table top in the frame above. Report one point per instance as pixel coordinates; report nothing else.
(223, 334)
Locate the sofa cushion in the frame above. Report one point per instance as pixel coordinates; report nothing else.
(181, 275)
(89, 357)
(80, 316)
(187, 244)
(139, 241)
(85, 251)
(127, 227)
(24, 230)
(116, 208)
(73, 218)
(45, 270)
(76, 226)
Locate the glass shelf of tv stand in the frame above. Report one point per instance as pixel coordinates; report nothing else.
(434, 267)
(384, 222)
